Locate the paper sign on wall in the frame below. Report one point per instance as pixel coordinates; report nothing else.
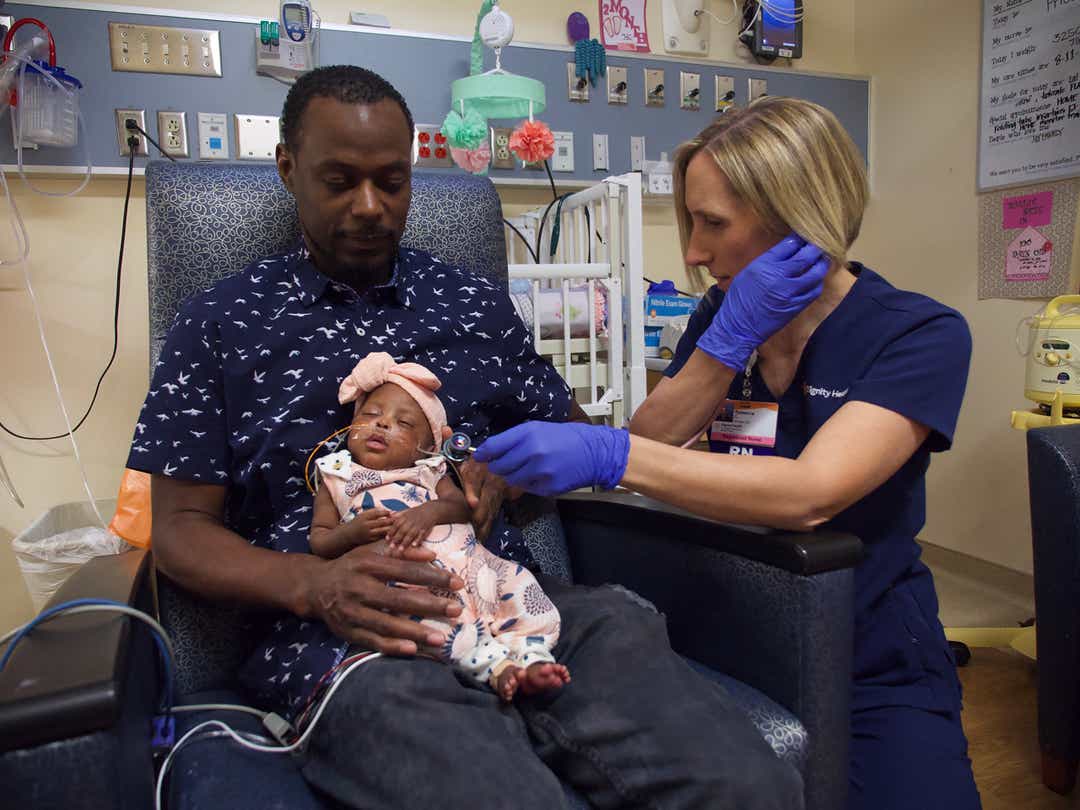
(1029, 257)
(622, 25)
(1027, 209)
(1026, 240)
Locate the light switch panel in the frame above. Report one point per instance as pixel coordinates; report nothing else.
(164, 49)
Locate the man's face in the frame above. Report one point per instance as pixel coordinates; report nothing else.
(350, 172)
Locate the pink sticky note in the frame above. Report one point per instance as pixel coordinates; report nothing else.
(1027, 210)
(1028, 257)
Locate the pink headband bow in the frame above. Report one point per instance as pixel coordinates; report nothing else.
(379, 368)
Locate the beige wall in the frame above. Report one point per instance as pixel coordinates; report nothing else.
(922, 233)
(922, 136)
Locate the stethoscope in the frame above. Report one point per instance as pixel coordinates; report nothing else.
(456, 449)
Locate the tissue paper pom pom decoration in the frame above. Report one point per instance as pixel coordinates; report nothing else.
(532, 142)
(472, 160)
(466, 132)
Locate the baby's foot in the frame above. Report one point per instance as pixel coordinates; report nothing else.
(532, 680)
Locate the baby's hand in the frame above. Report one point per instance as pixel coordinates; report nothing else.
(409, 528)
(369, 526)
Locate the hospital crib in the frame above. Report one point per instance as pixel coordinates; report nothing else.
(584, 301)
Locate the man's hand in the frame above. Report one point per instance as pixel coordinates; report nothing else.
(484, 492)
(352, 596)
(409, 528)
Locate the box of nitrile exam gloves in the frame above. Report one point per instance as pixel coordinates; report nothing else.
(662, 305)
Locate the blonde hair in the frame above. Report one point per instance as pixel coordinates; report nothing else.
(792, 163)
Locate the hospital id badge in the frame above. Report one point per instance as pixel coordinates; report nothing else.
(743, 428)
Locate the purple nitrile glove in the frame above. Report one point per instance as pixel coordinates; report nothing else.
(763, 298)
(550, 458)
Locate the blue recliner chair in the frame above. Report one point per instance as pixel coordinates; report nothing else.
(771, 611)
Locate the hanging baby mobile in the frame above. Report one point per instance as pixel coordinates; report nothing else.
(495, 94)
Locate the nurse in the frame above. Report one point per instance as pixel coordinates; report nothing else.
(830, 389)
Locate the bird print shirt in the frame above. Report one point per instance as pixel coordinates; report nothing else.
(246, 387)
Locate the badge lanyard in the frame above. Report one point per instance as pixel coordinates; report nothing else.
(745, 427)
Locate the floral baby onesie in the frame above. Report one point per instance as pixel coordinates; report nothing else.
(506, 617)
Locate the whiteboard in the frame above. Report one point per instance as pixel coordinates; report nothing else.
(1029, 110)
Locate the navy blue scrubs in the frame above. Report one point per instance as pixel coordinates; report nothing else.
(907, 353)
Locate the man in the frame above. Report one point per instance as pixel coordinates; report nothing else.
(246, 388)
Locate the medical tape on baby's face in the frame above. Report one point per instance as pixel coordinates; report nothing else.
(354, 433)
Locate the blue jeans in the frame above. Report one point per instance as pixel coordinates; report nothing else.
(636, 727)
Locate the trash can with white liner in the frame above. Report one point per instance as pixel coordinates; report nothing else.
(53, 547)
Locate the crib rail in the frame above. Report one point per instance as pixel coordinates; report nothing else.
(590, 241)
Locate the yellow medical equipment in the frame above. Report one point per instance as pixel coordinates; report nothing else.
(1053, 366)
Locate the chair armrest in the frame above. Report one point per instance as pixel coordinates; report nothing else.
(799, 553)
(66, 677)
(77, 696)
(773, 610)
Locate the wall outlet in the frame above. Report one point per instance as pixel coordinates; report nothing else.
(600, 159)
(758, 88)
(637, 153)
(563, 159)
(213, 136)
(501, 156)
(257, 136)
(172, 133)
(576, 87)
(618, 89)
(432, 150)
(689, 91)
(725, 93)
(654, 87)
(139, 117)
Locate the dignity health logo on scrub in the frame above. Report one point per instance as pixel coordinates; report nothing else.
(824, 393)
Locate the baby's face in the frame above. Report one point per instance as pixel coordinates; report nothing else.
(388, 430)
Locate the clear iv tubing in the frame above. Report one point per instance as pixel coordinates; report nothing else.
(22, 241)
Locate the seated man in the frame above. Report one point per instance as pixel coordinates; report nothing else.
(244, 391)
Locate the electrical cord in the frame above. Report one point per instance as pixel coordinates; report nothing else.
(219, 707)
(130, 124)
(132, 143)
(161, 638)
(266, 749)
(734, 13)
(551, 179)
(528, 247)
